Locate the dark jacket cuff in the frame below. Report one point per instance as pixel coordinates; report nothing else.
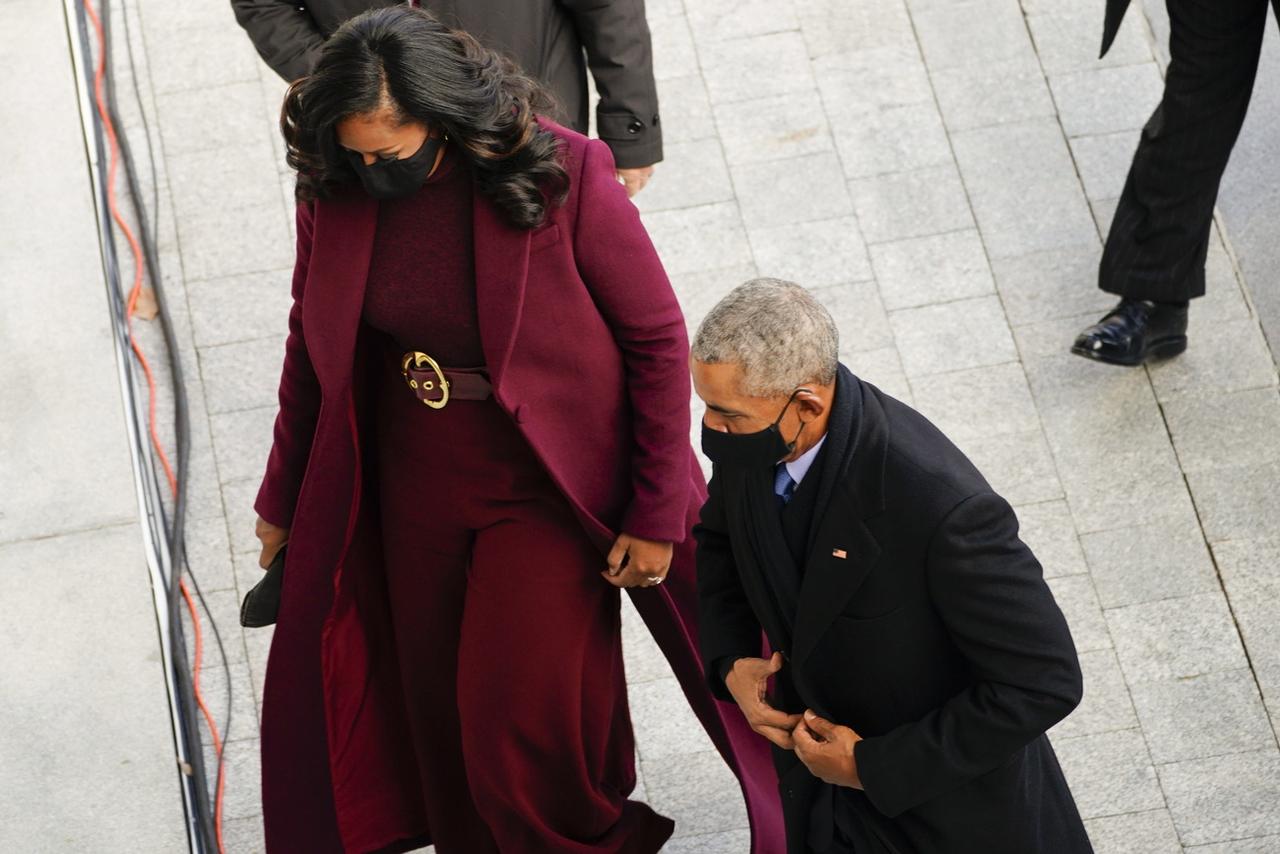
(636, 141)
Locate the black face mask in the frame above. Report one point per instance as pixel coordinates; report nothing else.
(395, 179)
(761, 449)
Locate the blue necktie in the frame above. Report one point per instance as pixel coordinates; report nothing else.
(784, 486)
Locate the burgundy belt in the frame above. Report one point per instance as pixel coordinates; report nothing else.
(436, 386)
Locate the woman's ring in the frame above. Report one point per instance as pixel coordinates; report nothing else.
(656, 579)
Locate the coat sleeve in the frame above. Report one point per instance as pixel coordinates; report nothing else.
(727, 627)
(991, 595)
(619, 50)
(622, 271)
(284, 33)
(299, 395)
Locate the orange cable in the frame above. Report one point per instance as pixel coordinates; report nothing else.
(139, 265)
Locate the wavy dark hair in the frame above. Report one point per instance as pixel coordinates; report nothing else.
(404, 58)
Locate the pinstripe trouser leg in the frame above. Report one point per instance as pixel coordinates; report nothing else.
(1160, 233)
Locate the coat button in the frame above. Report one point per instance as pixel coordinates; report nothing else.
(636, 126)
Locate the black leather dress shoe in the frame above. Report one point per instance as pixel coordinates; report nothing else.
(1134, 332)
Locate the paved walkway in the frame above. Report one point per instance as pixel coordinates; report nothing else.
(940, 171)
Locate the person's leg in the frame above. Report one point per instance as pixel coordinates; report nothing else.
(1160, 233)
(545, 726)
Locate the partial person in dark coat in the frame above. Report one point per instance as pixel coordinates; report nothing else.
(546, 38)
(1155, 252)
(917, 655)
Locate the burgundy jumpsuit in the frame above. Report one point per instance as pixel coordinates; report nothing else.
(521, 746)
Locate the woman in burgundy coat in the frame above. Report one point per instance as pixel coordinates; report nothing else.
(483, 435)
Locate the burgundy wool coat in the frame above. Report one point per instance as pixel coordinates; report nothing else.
(587, 351)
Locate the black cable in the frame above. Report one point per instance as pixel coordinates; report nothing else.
(174, 532)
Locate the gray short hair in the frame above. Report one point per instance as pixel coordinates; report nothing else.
(777, 331)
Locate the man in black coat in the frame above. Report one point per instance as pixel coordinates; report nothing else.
(918, 656)
(1155, 253)
(547, 38)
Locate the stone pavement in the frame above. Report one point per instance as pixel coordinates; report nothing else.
(940, 172)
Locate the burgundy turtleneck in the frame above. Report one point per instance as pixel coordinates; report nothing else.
(421, 289)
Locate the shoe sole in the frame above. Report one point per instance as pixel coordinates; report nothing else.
(1165, 348)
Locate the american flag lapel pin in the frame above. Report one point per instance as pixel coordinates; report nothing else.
(840, 553)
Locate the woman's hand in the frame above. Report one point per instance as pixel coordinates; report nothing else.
(634, 562)
(272, 537)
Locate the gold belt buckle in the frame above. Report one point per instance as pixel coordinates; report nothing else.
(418, 358)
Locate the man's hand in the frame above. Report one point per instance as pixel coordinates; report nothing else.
(272, 538)
(748, 682)
(634, 562)
(826, 749)
(635, 179)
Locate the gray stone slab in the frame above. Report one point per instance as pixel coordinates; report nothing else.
(641, 656)
(673, 51)
(243, 798)
(1225, 429)
(882, 368)
(1256, 845)
(734, 70)
(252, 240)
(835, 26)
(699, 292)
(860, 81)
(1250, 576)
(1079, 603)
(160, 18)
(911, 204)
(697, 790)
(696, 239)
(1058, 283)
(225, 55)
(1238, 502)
(664, 724)
(1175, 638)
(1103, 161)
(1225, 797)
(1161, 560)
(1024, 189)
(784, 192)
(238, 176)
(691, 173)
(1109, 773)
(686, 109)
(952, 336)
(209, 552)
(212, 118)
(972, 32)
(975, 96)
(730, 842)
(1149, 832)
(1067, 36)
(1220, 356)
(1106, 706)
(859, 315)
(776, 128)
(1019, 466)
(244, 835)
(244, 706)
(979, 402)
(242, 441)
(87, 743)
(721, 20)
(244, 375)
(892, 139)
(237, 498)
(1048, 529)
(222, 607)
(1105, 100)
(814, 254)
(240, 308)
(1201, 716)
(937, 268)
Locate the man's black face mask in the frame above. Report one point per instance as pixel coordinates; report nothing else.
(761, 449)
